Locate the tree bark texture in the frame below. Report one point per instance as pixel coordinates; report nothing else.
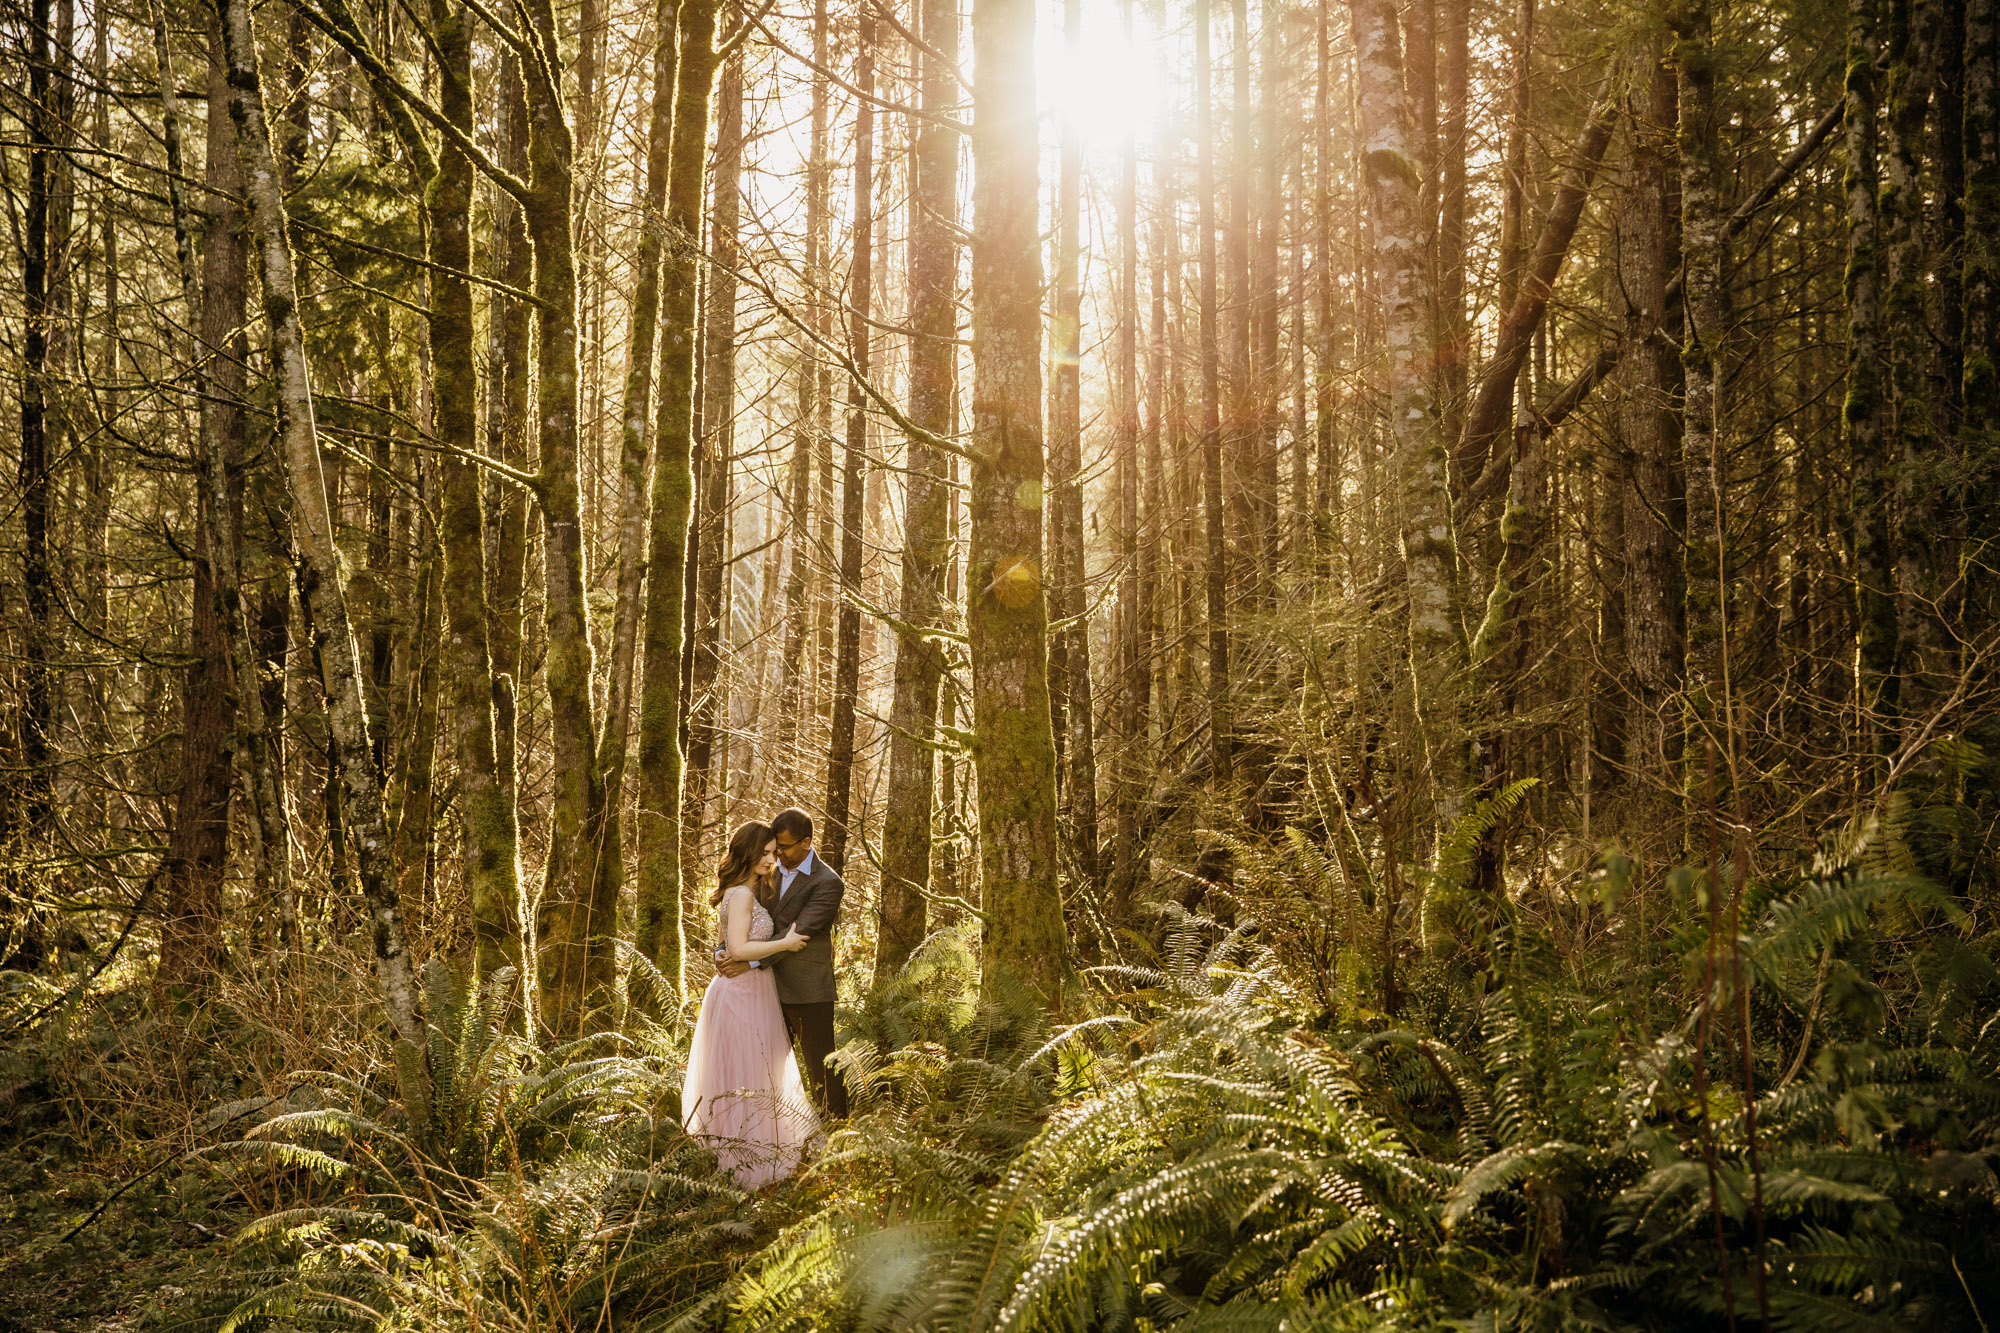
(909, 810)
(333, 629)
(860, 291)
(660, 756)
(1007, 616)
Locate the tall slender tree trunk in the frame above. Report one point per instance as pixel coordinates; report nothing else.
(1862, 410)
(508, 425)
(860, 333)
(1216, 573)
(707, 683)
(1454, 149)
(797, 705)
(1979, 377)
(660, 757)
(1007, 616)
(36, 785)
(576, 921)
(491, 866)
(333, 629)
(1909, 354)
(636, 438)
(1703, 550)
(910, 807)
(1131, 582)
(1069, 656)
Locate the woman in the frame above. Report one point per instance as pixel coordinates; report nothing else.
(742, 1095)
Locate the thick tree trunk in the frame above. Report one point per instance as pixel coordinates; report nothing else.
(1650, 493)
(1006, 614)
(861, 285)
(1437, 643)
(660, 757)
(333, 630)
(909, 810)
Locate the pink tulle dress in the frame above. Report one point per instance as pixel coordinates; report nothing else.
(742, 1095)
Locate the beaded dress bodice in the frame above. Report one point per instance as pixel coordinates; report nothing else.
(761, 927)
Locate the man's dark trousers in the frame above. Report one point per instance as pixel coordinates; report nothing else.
(811, 1026)
(805, 978)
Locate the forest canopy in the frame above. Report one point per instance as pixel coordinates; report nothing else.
(1384, 610)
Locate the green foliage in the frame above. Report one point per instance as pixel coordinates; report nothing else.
(1228, 1137)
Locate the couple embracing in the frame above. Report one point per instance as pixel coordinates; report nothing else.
(776, 904)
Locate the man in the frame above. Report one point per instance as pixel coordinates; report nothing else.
(807, 894)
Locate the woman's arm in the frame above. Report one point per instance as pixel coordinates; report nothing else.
(736, 931)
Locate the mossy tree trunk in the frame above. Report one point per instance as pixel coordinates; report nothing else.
(660, 758)
(708, 685)
(491, 868)
(1006, 614)
(577, 917)
(1436, 633)
(636, 444)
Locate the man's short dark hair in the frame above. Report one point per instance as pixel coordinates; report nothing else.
(792, 824)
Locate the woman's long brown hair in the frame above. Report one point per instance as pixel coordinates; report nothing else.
(746, 848)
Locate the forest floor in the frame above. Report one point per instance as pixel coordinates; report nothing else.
(124, 1270)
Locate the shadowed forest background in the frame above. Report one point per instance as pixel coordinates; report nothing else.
(1389, 610)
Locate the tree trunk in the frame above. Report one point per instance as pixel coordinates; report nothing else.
(1069, 656)
(1454, 149)
(487, 812)
(1436, 632)
(1217, 543)
(708, 686)
(659, 816)
(333, 630)
(36, 785)
(797, 705)
(861, 285)
(1650, 490)
(1862, 410)
(909, 809)
(508, 424)
(576, 920)
(1006, 614)
(1980, 377)
(1703, 551)
(1909, 355)
(1132, 602)
(635, 454)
